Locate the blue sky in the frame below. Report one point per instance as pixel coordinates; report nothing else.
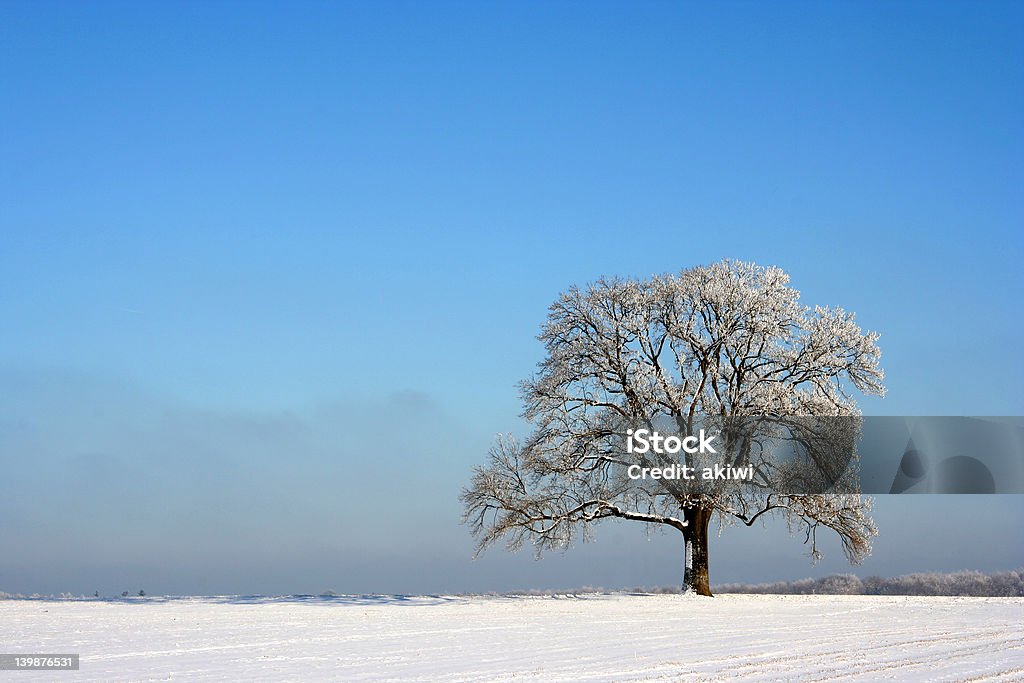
(237, 235)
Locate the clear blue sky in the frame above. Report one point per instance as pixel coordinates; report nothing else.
(236, 236)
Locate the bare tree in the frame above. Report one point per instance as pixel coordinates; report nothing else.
(730, 339)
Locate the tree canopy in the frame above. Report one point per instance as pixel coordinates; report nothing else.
(729, 340)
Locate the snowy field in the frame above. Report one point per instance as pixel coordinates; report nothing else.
(589, 638)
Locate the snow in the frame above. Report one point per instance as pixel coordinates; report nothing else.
(618, 637)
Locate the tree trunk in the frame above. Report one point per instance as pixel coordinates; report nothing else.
(695, 537)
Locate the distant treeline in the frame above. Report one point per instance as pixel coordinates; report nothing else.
(964, 583)
(967, 583)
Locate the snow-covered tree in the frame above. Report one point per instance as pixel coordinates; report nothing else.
(730, 340)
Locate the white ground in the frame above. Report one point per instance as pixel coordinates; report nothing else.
(592, 638)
